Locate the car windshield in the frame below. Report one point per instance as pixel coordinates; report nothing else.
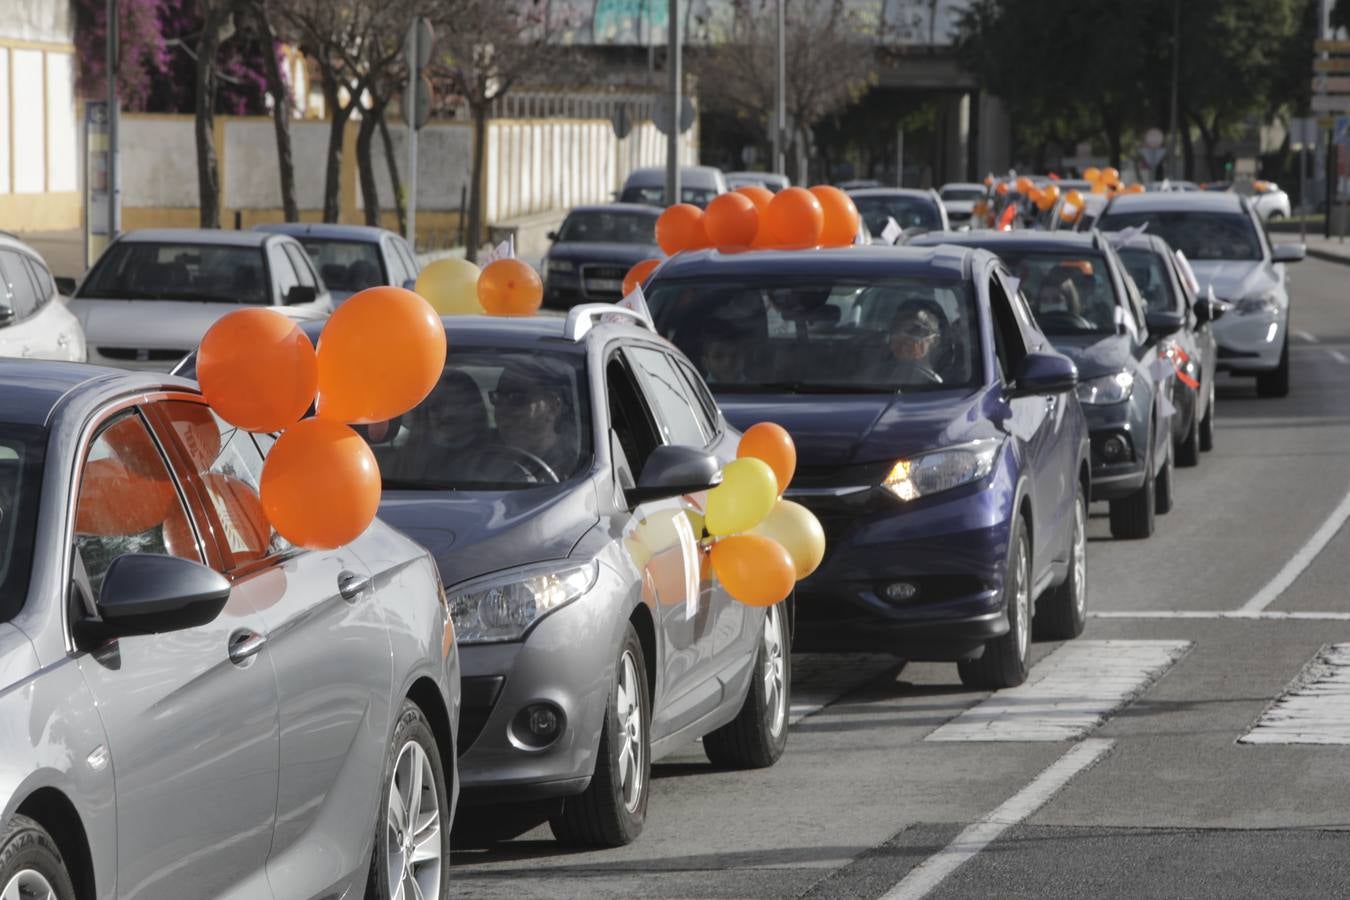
(346, 265)
(655, 195)
(21, 452)
(838, 334)
(595, 227)
(908, 212)
(1150, 275)
(497, 420)
(1198, 234)
(962, 193)
(214, 273)
(1069, 293)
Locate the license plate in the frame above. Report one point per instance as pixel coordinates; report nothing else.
(611, 285)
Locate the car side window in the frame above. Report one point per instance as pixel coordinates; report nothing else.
(630, 420)
(283, 272)
(300, 261)
(1009, 346)
(703, 403)
(22, 295)
(128, 502)
(229, 465)
(398, 272)
(42, 281)
(409, 258)
(666, 390)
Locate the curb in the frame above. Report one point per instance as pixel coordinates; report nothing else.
(1329, 256)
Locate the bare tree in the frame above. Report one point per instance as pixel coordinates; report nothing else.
(216, 17)
(830, 49)
(260, 13)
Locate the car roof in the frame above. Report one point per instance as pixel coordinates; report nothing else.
(215, 236)
(32, 388)
(509, 332)
(1177, 201)
(874, 260)
(962, 185)
(1011, 240)
(642, 208)
(362, 233)
(923, 193)
(1140, 242)
(656, 175)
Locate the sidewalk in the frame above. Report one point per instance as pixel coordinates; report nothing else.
(1330, 249)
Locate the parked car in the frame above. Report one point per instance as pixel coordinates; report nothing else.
(351, 258)
(34, 320)
(698, 185)
(1157, 273)
(914, 210)
(1076, 287)
(593, 250)
(958, 199)
(1229, 251)
(771, 180)
(153, 294)
(938, 440)
(193, 705)
(558, 473)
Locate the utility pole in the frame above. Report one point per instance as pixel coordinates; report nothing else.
(673, 132)
(1173, 126)
(779, 90)
(114, 177)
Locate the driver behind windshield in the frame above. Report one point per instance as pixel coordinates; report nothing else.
(915, 333)
(529, 404)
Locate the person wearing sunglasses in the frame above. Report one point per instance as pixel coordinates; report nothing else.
(528, 406)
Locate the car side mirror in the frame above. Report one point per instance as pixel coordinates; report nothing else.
(410, 284)
(552, 235)
(1163, 322)
(6, 315)
(1044, 373)
(65, 285)
(1288, 252)
(150, 593)
(301, 293)
(672, 471)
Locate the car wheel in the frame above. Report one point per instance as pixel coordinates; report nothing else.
(1132, 517)
(1188, 450)
(1207, 424)
(757, 736)
(30, 863)
(1004, 661)
(612, 809)
(1062, 612)
(412, 834)
(1275, 383)
(1162, 486)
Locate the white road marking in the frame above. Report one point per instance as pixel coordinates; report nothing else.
(1339, 357)
(1266, 615)
(1300, 560)
(825, 677)
(980, 834)
(1305, 336)
(1315, 709)
(1069, 693)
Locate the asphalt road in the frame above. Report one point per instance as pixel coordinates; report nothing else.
(1165, 763)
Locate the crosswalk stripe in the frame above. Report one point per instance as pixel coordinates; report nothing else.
(1069, 693)
(1314, 709)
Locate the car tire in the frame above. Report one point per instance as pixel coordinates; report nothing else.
(613, 808)
(413, 757)
(755, 739)
(1207, 424)
(30, 862)
(1162, 486)
(1188, 449)
(1275, 383)
(1062, 612)
(1005, 660)
(1132, 517)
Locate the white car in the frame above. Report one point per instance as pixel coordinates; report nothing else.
(1223, 238)
(959, 199)
(153, 294)
(34, 321)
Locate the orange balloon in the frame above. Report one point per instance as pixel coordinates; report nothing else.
(510, 287)
(1024, 185)
(795, 218)
(1051, 193)
(1092, 173)
(638, 274)
(754, 569)
(1005, 219)
(257, 369)
(1002, 188)
(320, 484)
(758, 194)
(198, 432)
(771, 443)
(731, 220)
(1135, 189)
(680, 227)
(247, 531)
(1111, 175)
(1074, 198)
(841, 216)
(379, 355)
(115, 500)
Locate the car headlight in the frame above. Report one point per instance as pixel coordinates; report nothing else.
(941, 470)
(1106, 389)
(504, 606)
(1262, 303)
(560, 266)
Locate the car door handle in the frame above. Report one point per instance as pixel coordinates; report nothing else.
(351, 585)
(244, 645)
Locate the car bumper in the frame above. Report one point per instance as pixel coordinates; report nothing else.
(1251, 343)
(1123, 427)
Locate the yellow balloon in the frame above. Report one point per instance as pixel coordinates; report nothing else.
(451, 287)
(799, 531)
(748, 491)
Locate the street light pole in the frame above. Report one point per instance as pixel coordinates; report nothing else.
(779, 90)
(673, 132)
(113, 179)
(1173, 124)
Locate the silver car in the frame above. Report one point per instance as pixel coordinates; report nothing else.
(192, 706)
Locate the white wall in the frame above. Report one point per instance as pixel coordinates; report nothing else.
(50, 21)
(27, 146)
(4, 121)
(444, 165)
(158, 161)
(62, 135)
(249, 164)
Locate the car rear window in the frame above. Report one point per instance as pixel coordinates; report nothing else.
(21, 454)
(599, 227)
(144, 270)
(1068, 293)
(1150, 275)
(346, 265)
(908, 212)
(1197, 233)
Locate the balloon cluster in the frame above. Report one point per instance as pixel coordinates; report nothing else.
(379, 355)
(763, 544)
(504, 287)
(752, 216)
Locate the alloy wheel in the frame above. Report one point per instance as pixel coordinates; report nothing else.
(1080, 559)
(628, 706)
(413, 828)
(775, 670)
(1023, 625)
(28, 885)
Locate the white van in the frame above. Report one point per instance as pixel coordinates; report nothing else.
(698, 185)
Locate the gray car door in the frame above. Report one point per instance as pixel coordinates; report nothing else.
(191, 716)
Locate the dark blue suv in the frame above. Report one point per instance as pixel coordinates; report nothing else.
(939, 439)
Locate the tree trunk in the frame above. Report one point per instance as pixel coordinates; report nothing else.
(474, 236)
(332, 182)
(365, 164)
(1187, 153)
(208, 172)
(394, 183)
(281, 111)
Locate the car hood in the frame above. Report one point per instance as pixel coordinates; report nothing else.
(1096, 354)
(1234, 279)
(176, 324)
(621, 254)
(836, 430)
(473, 533)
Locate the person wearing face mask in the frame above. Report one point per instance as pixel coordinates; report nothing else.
(1057, 294)
(915, 334)
(530, 408)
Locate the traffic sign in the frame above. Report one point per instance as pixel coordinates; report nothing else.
(419, 115)
(1340, 132)
(621, 120)
(1325, 46)
(661, 114)
(417, 45)
(1330, 103)
(1153, 138)
(1153, 155)
(1331, 65)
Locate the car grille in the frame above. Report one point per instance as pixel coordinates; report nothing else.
(141, 354)
(602, 281)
